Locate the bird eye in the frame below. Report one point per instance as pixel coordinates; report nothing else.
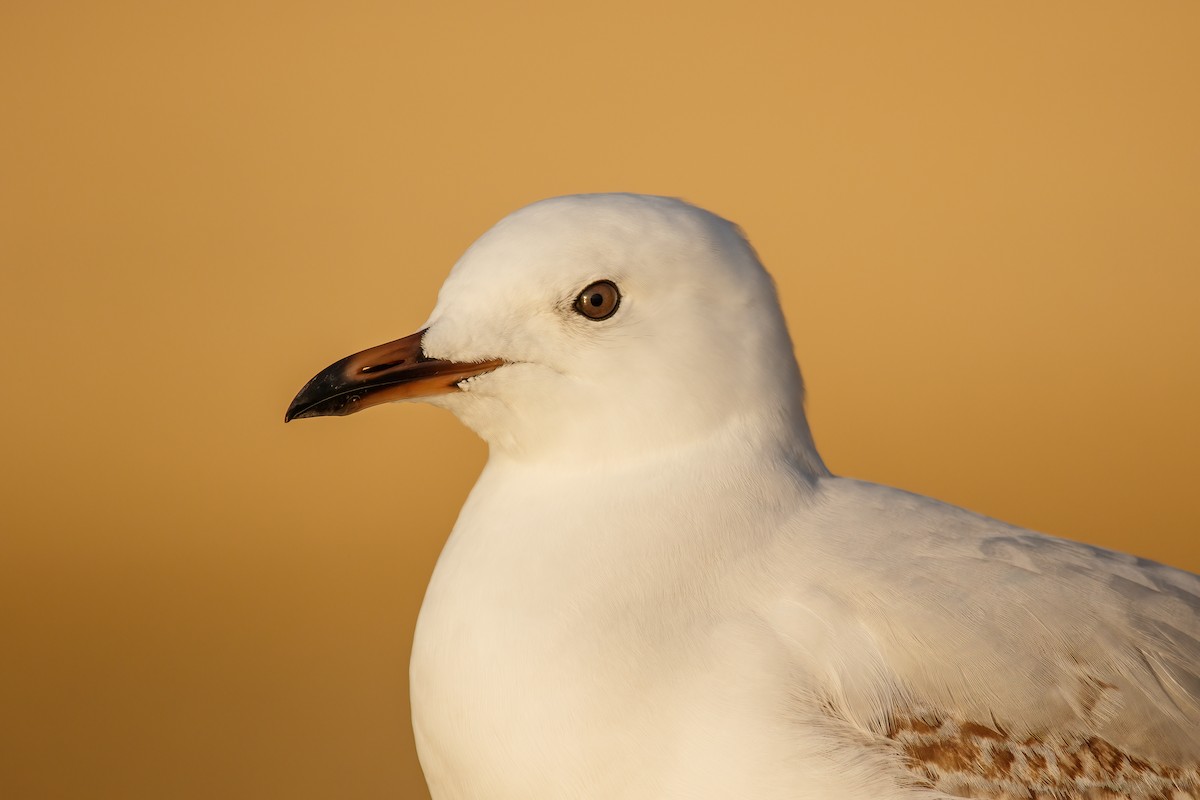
(598, 301)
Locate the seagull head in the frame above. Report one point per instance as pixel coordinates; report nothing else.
(595, 326)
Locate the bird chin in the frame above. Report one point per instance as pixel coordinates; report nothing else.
(497, 405)
(485, 414)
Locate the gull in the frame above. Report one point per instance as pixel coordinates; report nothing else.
(656, 589)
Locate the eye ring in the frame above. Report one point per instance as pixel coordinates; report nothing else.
(599, 301)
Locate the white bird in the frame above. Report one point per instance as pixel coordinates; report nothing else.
(657, 590)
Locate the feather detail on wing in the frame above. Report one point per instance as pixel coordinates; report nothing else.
(966, 759)
(1000, 663)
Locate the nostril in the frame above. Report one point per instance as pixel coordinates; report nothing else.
(380, 367)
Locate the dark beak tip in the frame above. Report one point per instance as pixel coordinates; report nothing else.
(299, 406)
(303, 407)
(318, 397)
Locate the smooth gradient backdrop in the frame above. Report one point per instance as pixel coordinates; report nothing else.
(984, 220)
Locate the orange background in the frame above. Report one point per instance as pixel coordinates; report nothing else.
(984, 220)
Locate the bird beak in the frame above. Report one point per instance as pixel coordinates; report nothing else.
(398, 370)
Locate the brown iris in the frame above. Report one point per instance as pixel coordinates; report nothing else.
(598, 301)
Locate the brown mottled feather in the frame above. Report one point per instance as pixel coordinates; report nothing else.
(966, 759)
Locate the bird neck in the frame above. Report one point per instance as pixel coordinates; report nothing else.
(782, 438)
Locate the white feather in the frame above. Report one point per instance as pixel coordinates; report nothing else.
(656, 590)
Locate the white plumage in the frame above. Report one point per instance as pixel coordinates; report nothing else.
(657, 590)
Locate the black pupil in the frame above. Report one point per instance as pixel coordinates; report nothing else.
(597, 299)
